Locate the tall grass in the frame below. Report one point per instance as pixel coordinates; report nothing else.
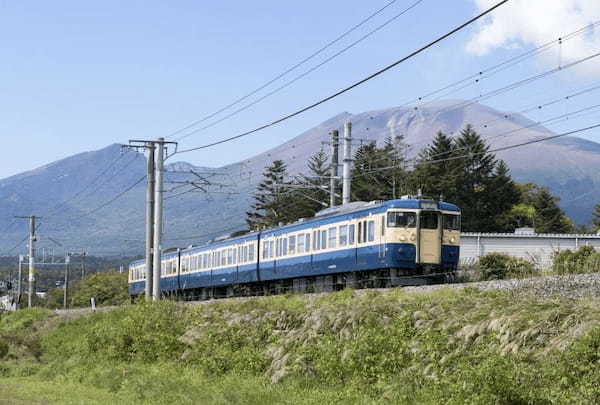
(445, 347)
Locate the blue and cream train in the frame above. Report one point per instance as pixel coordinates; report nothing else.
(375, 244)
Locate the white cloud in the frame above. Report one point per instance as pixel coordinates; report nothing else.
(536, 22)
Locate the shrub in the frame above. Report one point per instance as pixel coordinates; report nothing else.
(109, 288)
(497, 266)
(583, 260)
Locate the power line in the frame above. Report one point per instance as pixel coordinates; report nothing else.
(294, 80)
(352, 86)
(285, 72)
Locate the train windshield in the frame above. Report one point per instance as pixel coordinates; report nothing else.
(452, 222)
(429, 220)
(402, 220)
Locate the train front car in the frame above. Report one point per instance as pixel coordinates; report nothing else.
(422, 239)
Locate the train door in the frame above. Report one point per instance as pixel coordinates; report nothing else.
(430, 242)
(382, 239)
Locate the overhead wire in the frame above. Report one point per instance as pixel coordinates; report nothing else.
(302, 75)
(285, 72)
(352, 86)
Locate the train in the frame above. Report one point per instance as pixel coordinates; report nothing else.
(406, 241)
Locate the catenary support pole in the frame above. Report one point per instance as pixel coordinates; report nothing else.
(335, 141)
(158, 216)
(150, 221)
(347, 163)
(20, 282)
(66, 287)
(31, 292)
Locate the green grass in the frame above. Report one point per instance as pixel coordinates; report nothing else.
(447, 346)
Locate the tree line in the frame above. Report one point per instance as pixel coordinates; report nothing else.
(461, 170)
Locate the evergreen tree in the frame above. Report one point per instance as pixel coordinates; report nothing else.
(503, 196)
(435, 175)
(271, 198)
(549, 217)
(310, 193)
(596, 218)
(378, 172)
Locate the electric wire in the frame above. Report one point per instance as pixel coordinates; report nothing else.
(302, 75)
(285, 72)
(352, 86)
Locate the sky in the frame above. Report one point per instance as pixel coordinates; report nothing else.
(78, 76)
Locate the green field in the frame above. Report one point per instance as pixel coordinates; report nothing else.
(446, 346)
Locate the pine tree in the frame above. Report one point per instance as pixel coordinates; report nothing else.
(378, 172)
(271, 198)
(310, 193)
(596, 218)
(549, 217)
(503, 195)
(435, 175)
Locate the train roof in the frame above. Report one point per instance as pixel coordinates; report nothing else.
(333, 214)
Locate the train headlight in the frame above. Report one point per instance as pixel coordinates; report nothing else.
(413, 238)
(402, 238)
(452, 240)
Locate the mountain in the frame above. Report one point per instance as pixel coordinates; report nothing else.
(73, 195)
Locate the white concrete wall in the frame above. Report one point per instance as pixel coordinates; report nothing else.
(537, 247)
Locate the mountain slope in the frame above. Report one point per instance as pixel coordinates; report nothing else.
(69, 194)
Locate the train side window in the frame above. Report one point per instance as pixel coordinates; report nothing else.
(271, 249)
(343, 235)
(332, 237)
(265, 250)
(301, 240)
(383, 225)
(360, 232)
(251, 253)
(324, 239)
(224, 257)
(429, 220)
(307, 244)
(284, 250)
(316, 240)
(371, 229)
(452, 222)
(292, 245)
(351, 234)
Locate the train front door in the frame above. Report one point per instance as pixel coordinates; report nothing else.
(430, 242)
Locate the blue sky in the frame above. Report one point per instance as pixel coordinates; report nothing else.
(78, 76)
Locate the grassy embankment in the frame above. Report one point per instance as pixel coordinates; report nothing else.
(440, 347)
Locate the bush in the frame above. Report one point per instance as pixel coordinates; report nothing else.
(109, 288)
(583, 260)
(498, 266)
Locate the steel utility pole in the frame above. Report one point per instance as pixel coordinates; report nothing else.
(83, 253)
(154, 209)
(150, 222)
(335, 142)
(158, 217)
(347, 163)
(32, 240)
(20, 281)
(66, 291)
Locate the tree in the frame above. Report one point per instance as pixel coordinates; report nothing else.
(463, 171)
(379, 172)
(435, 175)
(309, 193)
(108, 288)
(549, 217)
(596, 218)
(270, 199)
